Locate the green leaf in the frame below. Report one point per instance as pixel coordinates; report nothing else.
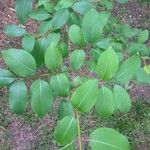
(23, 9)
(143, 36)
(105, 104)
(38, 52)
(28, 42)
(6, 77)
(54, 38)
(60, 84)
(65, 109)
(68, 147)
(77, 58)
(142, 76)
(41, 97)
(128, 68)
(45, 26)
(13, 30)
(108, 139)
(20, 62)
(107, 64)
(76, 35)
(129, 32)
(85, 96)
(122, 99)
(63, 49)
(104, 43)
(122, 1)
(18, 97)
(74, 19)
(64, 4)
(66, 130)
(53, 57)
(82, 7)
(107, 4)
(60, 18)
(40, 14)
(93, 24)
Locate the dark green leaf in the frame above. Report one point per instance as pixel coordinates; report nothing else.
(63, 49)
(38, 52)
(6, 77)
(41, 97)
(107, 64)
(45, 26)
(85, 96)
(128, 68)
(66, 130)
(64, 4)
(14, 30)
(82, 7)
(53, 57)
(28, 42)
(105, 104)
(60, 18)
(108, 139)
(60, 84)
(122, 99)
(40, 14)
(65, 109)
(20, 62)
(18, 97)
(23, 9)
(77, 58)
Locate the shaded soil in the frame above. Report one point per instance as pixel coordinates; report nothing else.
(29, 133)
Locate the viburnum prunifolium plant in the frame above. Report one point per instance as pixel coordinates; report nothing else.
(71, 36)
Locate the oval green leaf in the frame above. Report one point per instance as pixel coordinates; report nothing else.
(107, 64)
(53, 57)
(93, 24)
(41, 97)
(66, 130)
(60, 18)
(13, 30)
(23, 9)
(108, 139)
(6, 77)
(77, 58)
(76, 35)
(122, 99)
(60, 84)
(65, 109)
(128, 68)
(85, 96)
(105, 104)
(143, 36)
(18, 97)
(20, 62)
(28, 42)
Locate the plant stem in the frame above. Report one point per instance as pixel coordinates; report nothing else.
(79, 130)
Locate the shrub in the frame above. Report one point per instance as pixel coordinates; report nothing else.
(114, 59)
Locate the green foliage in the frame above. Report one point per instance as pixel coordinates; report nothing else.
(71, 35)
(18, 97)
(20, 62)
(77, 58)
(105, 104)
(105, 138)
(85, 96)
(41, 97)
(107, 65)
(66, 130)
(14, 30)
